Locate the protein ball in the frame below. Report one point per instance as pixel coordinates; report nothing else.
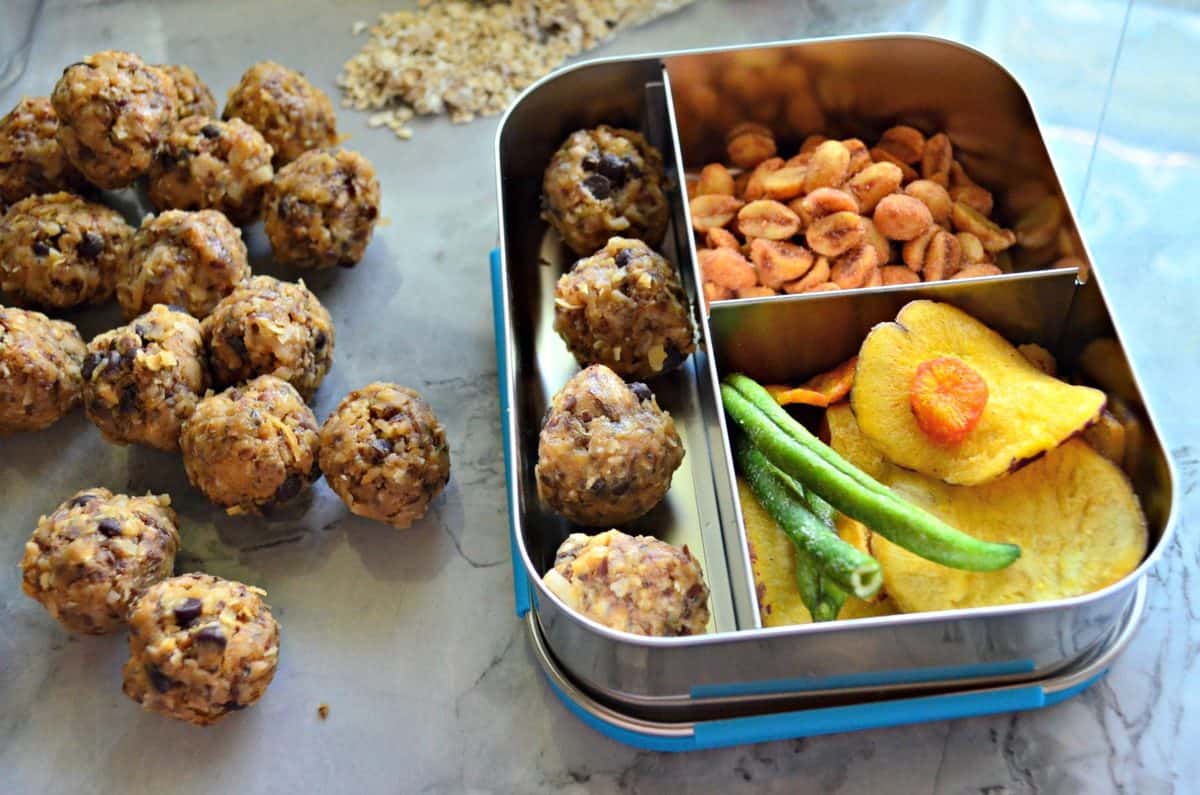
(603, 182)
(142, 380)
(59, 251)
(251, 447)
(624, 307)
(207, 164)
(114, 111)
(194, 97)
(321, 209)
(40, 362)
(200, 647)
(384, 453)
(606, 452)
(633, 584)
(189, 259)
(291, 113)
(89, 560)
(266, 326)
(31, 160)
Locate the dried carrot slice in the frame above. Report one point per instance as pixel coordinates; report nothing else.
(834, 384)
(947, 397)
(786, 395)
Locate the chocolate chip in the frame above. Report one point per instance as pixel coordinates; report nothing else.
(109, 527)
(177, 308)
(590, 163)
(623, 257)
(233, 706)
(347, 263)
(598, 486)
(289, 488)
(382, 447)
(237, 344)
(210, 131)
(616, 169)
(129, 398)
(188, 611)
(91, 245)
(40, 249)
(641, 391)
(161, 682)
(210, 634)
(598, 186)
(114, 360)
(320, 340)
(90, 363)
(620, 488)
(81, 500)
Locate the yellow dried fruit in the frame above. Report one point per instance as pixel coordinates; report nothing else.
(777, 261)
(906, 143)
(967, 219)
(767, 218)
(934, 196)
(874, 182)
(835, 234)
(827, 167)
(714, 179)
(901, 217)
(713, 211)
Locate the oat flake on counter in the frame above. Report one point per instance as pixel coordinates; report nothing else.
(471, 57)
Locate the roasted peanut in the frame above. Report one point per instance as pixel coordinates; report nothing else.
(825, 201)
(818, 274)
(906, 143)
(973, 196)
(777, 261)
(786, 183)
(935, 197)
(958, 175)
(798, 161)
(751, 147)
(828, 166)
(715, 179)
(823, 287)
(835, 234)
(901, 217)
(812, 142)
(898, 274)
(713, 211)
(860, 157)
(874, 238)
(853, 268)
(715, 292)
(943, 257)
(754, 187)
(982, 269)
(936, 160)
(721, 238)
(875, 279)
(744, 127)
(740, 182)
(726, 267)
(769, 219)
(757, 291)
(967, 219)
(1040, 223)
(972, 249)
(873, 183)
(907, 172)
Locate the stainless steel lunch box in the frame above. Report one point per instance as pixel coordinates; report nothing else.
(684, 102)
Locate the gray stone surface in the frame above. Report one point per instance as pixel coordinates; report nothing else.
(409, 636)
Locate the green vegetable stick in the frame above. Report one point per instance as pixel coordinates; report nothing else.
(844, 564)
(901, 523)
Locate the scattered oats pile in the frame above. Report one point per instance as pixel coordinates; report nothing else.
(471, 57)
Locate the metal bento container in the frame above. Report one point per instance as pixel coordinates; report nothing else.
(684, 102)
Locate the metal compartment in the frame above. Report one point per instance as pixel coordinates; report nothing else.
(856, 86)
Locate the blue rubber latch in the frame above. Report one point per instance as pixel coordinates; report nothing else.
(520, 581)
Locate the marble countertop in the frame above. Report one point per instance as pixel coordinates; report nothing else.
(410, 637)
